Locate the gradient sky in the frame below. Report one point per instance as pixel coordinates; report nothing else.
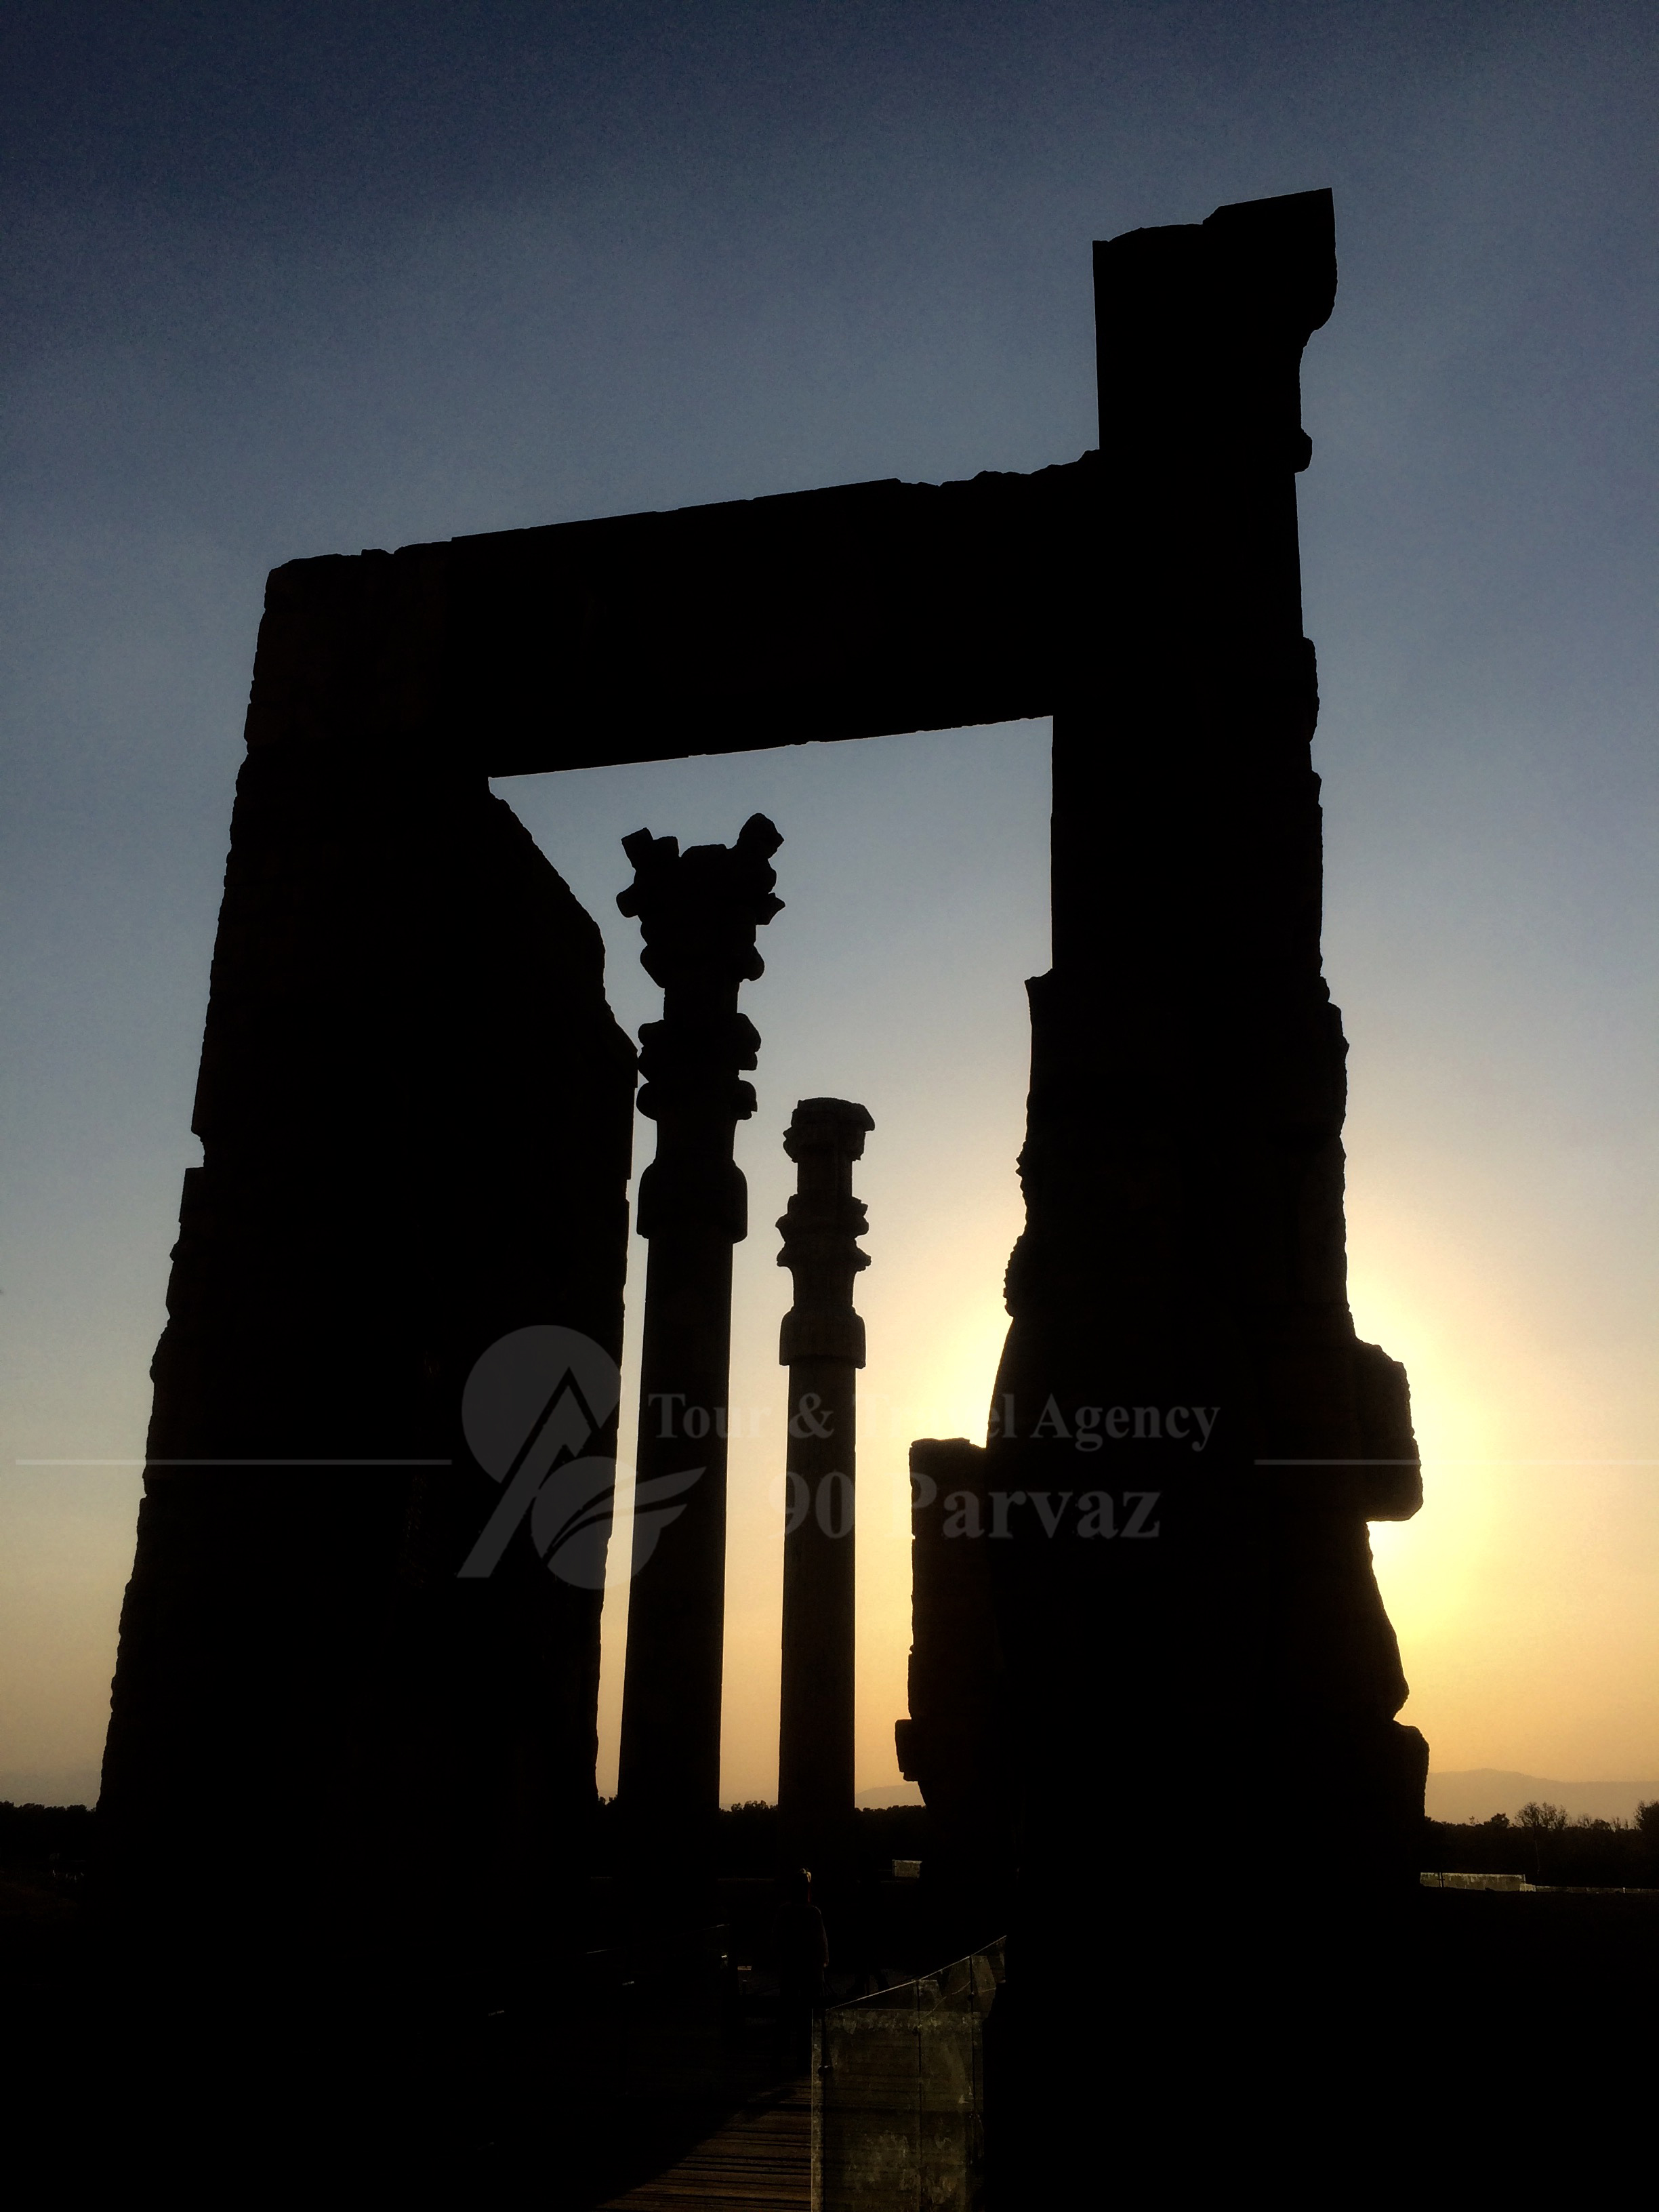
(293, 279)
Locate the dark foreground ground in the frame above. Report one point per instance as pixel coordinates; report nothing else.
(1482, 2043)
(641, 2062)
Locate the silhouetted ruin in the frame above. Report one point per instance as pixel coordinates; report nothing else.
(822, 1344)
(954, 1742)
(416, 1116)
(415, 1111)
(699, 911)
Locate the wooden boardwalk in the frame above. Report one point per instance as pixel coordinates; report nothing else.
(760, 2161)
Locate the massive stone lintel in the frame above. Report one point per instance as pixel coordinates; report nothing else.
(858, 610)
(854, 612)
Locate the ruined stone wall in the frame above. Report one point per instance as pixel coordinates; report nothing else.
(1197, 1646)
(954, 1741)
(415, 1113)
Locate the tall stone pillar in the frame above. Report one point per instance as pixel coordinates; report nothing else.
(1189, 1436)
(415, 1112)
(698, 911)
(953, 1742)
(822, 1344)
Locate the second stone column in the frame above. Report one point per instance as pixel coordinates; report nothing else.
(822, 1346)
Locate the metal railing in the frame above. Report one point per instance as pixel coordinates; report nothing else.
(898, 2094)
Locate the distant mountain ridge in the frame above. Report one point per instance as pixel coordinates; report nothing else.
(1477, 1792)
(879, 1798)
(43, 1785)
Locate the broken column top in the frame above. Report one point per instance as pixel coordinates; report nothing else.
(698, 910)
(821, 1226)
(832, 1124)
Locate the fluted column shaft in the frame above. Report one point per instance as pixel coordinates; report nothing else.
(822, 1346)
(699, 911)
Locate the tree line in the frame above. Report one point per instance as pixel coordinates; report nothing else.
(1547, 1846)
(1541, 1841)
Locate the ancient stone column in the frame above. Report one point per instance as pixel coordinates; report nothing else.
(1188, 1439)
(822, 1344)
(1180, 1326)
(699, 911)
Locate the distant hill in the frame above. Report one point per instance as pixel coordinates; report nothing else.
(37, 1785)
(1480, 1791)
(890, 1793)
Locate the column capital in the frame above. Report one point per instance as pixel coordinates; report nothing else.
(821, 1226)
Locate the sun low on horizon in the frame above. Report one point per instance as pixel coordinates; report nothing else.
(637, 271)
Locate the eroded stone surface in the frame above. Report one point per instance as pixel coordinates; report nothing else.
(415, 1113)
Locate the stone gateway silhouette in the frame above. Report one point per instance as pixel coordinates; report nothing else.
(416, 1111)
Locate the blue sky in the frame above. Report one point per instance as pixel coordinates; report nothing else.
(288, 280)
